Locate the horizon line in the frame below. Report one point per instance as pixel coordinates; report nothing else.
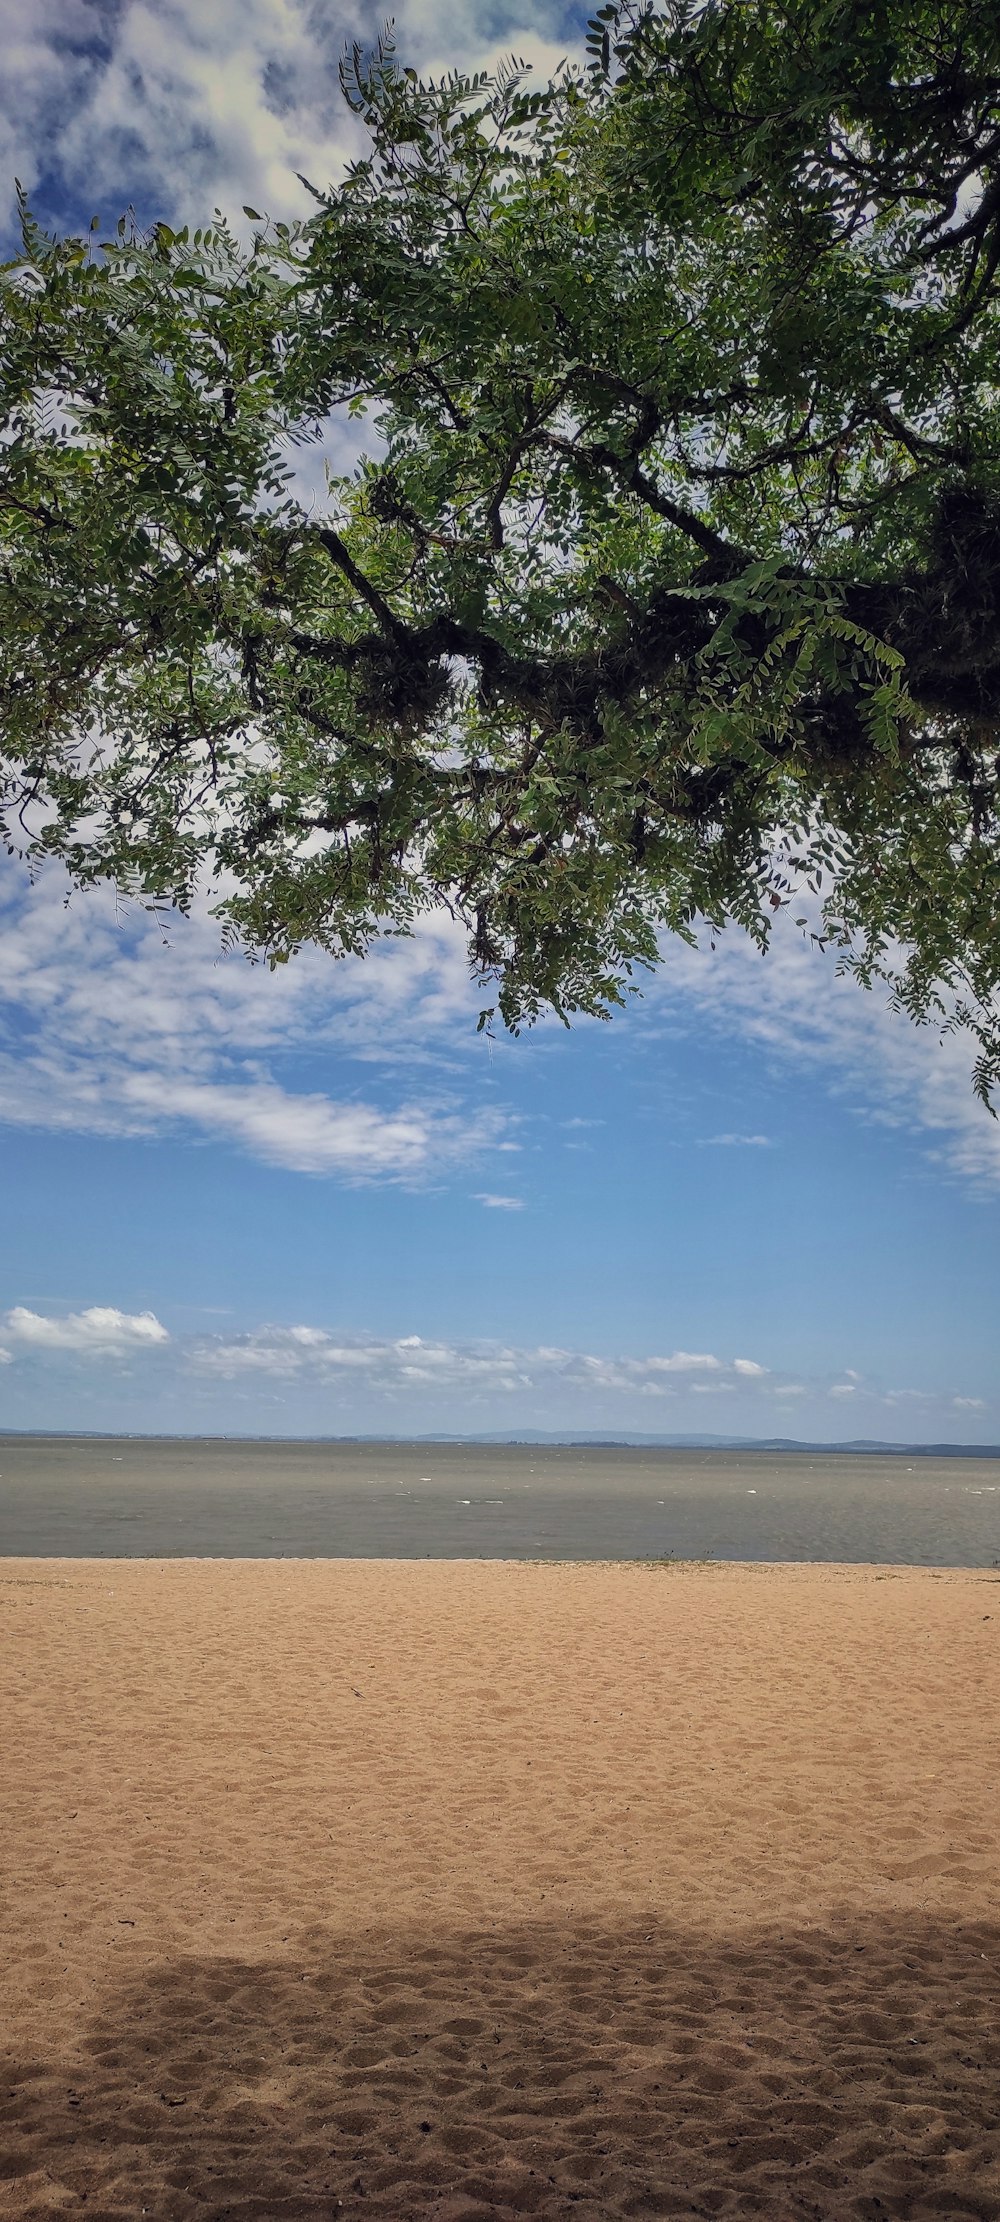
(539, 1438)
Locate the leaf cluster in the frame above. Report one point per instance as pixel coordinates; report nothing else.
(671, 583)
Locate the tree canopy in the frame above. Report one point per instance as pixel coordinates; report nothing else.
(670, 589)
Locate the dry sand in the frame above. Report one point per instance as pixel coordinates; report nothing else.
(469, 1891)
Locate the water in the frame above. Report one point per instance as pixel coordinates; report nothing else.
(107, 1497)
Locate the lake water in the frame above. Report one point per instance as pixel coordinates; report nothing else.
(108, 1497)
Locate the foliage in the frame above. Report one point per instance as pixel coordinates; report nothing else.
(671, 585)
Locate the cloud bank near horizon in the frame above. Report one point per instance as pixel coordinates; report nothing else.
(401, 1375)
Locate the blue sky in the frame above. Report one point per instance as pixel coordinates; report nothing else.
(314, 1201)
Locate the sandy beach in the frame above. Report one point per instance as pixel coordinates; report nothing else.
(467, 1891)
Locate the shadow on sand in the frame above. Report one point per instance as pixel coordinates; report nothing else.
(850, 2071)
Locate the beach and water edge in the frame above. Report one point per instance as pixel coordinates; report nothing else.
(209, 1497)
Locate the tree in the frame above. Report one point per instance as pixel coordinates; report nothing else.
(671, 587)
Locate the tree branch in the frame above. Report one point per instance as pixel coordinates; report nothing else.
(342, 557)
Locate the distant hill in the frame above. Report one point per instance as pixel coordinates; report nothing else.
(861, 1445)
(542, 1439)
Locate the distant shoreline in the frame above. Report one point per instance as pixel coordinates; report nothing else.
(860, 1447)
(248, 1497)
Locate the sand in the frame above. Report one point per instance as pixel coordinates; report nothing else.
(464, 1891)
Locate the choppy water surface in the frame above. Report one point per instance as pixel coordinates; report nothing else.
(114, 1498)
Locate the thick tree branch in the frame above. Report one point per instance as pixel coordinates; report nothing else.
(341, 556)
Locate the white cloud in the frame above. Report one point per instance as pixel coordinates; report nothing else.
(196, 106)
(300, 1353)
(99, 1332)
(367, 1372)
(309, 1133)
(6, 1357)
(689, 1361)
(180, 107)
(501, 1203)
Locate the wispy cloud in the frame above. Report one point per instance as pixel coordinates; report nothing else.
(106, 1029)
(500, 1203)
(793, 1003)
(310, 1133)
(735, 1142)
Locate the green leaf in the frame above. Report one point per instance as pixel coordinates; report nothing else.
(672, 590)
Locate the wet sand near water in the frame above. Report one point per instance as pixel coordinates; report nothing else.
(466, 1891)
